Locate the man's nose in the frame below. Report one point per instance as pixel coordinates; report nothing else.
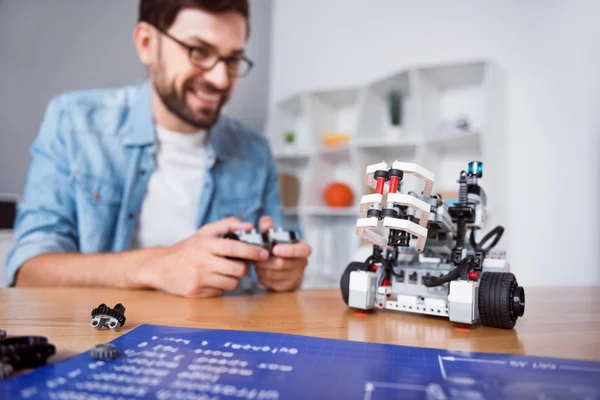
(218, 76)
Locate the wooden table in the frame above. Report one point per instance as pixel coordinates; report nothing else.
(561, 322)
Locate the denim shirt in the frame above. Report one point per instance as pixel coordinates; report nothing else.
(91, 163)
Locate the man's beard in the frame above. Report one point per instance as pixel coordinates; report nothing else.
(175, 101)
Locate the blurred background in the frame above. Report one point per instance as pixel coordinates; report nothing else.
(341, 84)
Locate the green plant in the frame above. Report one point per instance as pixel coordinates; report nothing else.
(395, 107)
(289, 137)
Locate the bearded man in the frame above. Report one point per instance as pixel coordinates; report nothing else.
(134, 187)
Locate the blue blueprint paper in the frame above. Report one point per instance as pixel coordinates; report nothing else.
(161, 362)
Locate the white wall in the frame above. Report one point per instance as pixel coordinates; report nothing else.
(47, 47)
(548, 48)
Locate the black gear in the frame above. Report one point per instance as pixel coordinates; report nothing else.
(2, 334)
(118, 312)
(6, 370)
(26, 351)
(102, 309)
(106, 351)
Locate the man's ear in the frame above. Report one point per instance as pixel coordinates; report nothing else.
(145, 42)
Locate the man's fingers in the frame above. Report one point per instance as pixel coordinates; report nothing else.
(236, 249)
(270, 263)
(224, 266)
(280, 264)
(265, 223)
(223, 282)
(281, 274)
(271, 275)
(280, 283)
(214, 274)
(224, 226)
(296, 250)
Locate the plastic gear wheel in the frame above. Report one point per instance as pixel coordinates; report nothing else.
(26, 351)
(104, 316)
(106, 351)
(6, 370)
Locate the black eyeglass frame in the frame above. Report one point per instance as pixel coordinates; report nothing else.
(219, 58)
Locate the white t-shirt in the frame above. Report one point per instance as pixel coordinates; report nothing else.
(170, 207)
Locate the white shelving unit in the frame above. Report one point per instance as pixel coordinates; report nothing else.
(433, 98)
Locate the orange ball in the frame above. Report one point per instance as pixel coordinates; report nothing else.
(338, 194)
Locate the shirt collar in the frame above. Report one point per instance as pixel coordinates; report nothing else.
(142, 123)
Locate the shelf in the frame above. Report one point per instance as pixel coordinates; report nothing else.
(293, 175)
(376, 116)
(336, 154)
(331, 165)
(409, 142)
(375, 154)
(450, 93)
(455, 75)
(302, 156)
(461, 142)
(324, 211)
(342, 152)
(290, 115)
(450, 114)
(292, 104)
(447, 156)
(334, 111)
(291, 211)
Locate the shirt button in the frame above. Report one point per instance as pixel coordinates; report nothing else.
(141, 171)
(130, 215)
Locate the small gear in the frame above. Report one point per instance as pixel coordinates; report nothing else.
(26, 351)
(106, 351)
(102, 309)
(104, 316)
(6, 370)
(2, 334)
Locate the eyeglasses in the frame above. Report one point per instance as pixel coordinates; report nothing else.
(206, 59)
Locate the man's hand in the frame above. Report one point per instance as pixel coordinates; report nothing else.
(203, 265)
(284, 270)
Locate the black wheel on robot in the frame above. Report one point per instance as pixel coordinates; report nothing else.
(345, 279)
(501, 300)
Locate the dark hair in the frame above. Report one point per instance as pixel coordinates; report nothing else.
(162, 13)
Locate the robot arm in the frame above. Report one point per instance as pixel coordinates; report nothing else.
(394, 215)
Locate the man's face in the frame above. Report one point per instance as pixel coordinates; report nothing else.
(196, 96)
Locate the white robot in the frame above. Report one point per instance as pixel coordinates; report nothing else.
(442, 274)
